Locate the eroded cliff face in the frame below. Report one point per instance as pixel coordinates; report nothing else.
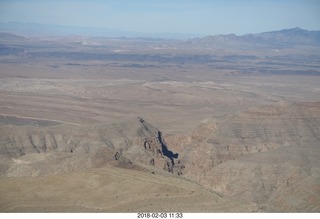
(155, 147)
(32, 151)
(267, 155)
(259, 154)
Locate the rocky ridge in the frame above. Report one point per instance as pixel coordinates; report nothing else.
(32, 151)
(261, 155)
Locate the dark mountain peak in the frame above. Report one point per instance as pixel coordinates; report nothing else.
(293, 30)
(273, 39)
(296, 30)
(293, 36)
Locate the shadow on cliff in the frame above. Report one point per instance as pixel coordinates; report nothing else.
(165, 150)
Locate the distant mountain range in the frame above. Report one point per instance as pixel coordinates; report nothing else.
(274, 39)
(10, 36)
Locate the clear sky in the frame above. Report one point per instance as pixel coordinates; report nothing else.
(168, 16)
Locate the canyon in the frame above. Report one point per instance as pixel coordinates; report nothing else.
(217, 124)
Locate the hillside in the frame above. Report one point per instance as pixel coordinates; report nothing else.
(101, 168)
(111, 189)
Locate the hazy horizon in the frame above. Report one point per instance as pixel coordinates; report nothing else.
(186, 17)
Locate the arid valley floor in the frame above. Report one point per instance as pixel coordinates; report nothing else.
(150, 125)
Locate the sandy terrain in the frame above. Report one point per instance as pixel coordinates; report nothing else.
(111, 190)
